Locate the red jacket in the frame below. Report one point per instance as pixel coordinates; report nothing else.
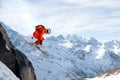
(39, 32)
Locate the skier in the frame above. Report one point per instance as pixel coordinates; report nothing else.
(40, 30)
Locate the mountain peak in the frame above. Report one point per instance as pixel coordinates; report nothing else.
(93, 41)
(60, 37)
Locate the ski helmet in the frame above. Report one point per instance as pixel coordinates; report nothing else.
(48, 31)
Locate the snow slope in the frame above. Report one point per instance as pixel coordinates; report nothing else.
(6, 74)
(71, 58)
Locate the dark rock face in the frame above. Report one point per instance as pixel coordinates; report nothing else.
(25, 67)
(15, 59)
(5, 56)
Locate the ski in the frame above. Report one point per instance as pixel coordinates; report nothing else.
(33, 45)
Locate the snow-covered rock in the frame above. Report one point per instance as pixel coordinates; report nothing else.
(109, 75)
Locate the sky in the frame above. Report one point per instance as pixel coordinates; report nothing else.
(86, 18)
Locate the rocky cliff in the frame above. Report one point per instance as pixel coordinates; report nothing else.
(14, 59)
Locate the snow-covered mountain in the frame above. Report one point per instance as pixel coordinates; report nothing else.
(71, 58)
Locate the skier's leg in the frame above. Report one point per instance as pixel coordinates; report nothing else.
(37, 43)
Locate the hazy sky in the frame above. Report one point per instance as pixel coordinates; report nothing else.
(87, 18)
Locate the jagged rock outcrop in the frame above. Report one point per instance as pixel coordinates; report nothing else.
(15, 59)
(106, 74)
(110, 72)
